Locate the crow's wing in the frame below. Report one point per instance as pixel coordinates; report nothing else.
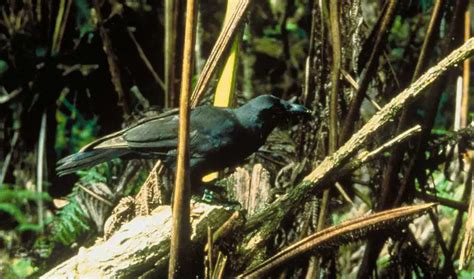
(213, 129)
(157, 134)
(206, 128)
(117, 140)
(210, 130)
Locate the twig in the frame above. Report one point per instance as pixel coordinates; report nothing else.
(343, 193)
(8, 158)
(210, 248)
(40, 168)
(180, 236)
(356, 87)
(466, 246)
(6, 98)
(220, 266)
(38, 10)
(57, 27)
(459, 220)
(441, 201)
(309, 64)
(112, 61)
(448, 266)
(96, 196)
(335, 72)
(145, 60)
(365, 157)
(171, 29)
(466, 75)
(63, 25)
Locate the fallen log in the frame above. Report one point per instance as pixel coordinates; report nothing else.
(138, 246)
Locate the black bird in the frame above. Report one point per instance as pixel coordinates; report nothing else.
(219, 137)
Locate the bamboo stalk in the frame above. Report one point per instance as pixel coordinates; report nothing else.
(180, 236)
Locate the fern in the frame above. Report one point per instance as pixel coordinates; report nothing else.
(14, 202)
(70, 222)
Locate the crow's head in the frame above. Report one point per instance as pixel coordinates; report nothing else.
(271, 107)
(267, 111)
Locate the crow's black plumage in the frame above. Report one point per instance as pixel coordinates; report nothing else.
(219, 137)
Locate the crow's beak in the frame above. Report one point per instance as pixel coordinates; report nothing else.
(296, 109)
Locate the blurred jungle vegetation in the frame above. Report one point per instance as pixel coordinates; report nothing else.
(74, 70)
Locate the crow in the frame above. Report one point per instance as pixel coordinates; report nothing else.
(219, 137)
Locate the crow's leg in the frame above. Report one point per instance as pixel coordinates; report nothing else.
(211, 193)
(207, 191)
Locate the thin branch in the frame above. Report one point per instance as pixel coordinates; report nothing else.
(365, 157)
(335, 72)
(466, 246)
(309, 63)
(96, 196)
(466, 75)
(8, 158)
(40, 168)
(63, 26)
(180, 236)
(171, 29)
(356, 87)
(6, 97)
(441, 201)
(145, 60)
(112, 61)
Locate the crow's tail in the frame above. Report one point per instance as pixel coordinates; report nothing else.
(87, 159)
